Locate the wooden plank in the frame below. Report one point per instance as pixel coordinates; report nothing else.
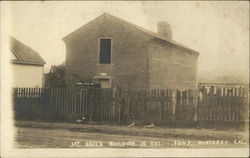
(60, 95)
(240, 105)
(87, 103)
(170, 105)
(180, 106)
(245, 105)
(101, 104)
(65, 106)
(55, 101)
(219, 97)
(27, 107)
(80, 102)
(236, 105)
(83, 102)
(50, 110)
(38, 98)
(75, 101)
(64, 95)
(90, 103)
(35, 98)
(109, 104)
(233, 105)
(60, 100)
(66, 102)
(175, 100)
(58, 110)
(205, 105)
(71, 103)
(30, 105)
(230, 105)
(224, 105)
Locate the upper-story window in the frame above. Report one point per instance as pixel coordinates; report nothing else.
(105, 50)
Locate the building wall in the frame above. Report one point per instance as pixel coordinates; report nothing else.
(159, 64)
(184, 66)
(129, 66)
(27, 75)
(171, 66)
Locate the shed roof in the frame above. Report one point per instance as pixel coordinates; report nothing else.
(25, 54)
(146, 31)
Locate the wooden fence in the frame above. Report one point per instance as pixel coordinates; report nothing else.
(127, 105)
(223, 106)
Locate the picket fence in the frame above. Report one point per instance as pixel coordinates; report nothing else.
(126, 105)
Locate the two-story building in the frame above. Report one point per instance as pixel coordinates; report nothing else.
(115, 52)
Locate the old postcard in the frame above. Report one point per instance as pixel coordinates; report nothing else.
(125, 79)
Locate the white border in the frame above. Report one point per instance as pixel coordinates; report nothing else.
(130, 152)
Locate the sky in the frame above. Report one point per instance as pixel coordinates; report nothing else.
(218, 30)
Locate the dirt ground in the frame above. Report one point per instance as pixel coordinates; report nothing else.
(31, 134)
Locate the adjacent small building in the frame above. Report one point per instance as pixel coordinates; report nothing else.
(27, 65)
(115, 52)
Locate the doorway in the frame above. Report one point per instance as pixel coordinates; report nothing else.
(105, 82)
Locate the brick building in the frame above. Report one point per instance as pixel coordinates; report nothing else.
(115, 52)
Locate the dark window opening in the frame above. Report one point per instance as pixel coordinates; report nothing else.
(105, 51)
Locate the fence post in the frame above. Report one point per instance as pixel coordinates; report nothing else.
(119, 98)
(200, 101)
(162, 100)
(174, 104)
(245, 100)
(196, 108)
(128, 104)
(90, 104)
(14, 105)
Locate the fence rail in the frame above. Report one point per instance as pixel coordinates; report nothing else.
(123, 105)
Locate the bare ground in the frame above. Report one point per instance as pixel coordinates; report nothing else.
(31, 134)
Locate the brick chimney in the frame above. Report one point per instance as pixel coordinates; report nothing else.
(164, 30)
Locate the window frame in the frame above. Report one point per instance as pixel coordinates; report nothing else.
(99, 49)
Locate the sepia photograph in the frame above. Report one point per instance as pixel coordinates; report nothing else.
(124, 78)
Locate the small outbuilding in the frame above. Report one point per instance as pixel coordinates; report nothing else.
(27, 65)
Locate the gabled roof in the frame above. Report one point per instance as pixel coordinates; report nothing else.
(25, 54)
(139, 28)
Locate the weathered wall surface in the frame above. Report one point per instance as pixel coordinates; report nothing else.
(129, 54)
(159, 58)
(184, 66)
(171, 66)
(138, 60)
(27, 75)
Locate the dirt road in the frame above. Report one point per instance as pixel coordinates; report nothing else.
(66, 135)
